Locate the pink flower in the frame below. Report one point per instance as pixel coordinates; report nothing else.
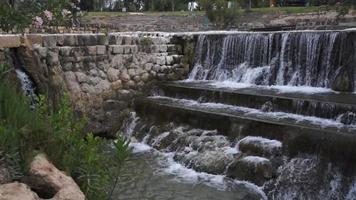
(48, 15)
(37, 21)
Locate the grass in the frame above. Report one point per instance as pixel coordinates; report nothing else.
(263, 10)
(121, 14)
(291, 10)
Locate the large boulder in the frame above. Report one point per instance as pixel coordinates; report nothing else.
(343, 80)
(17, 191)
(259, 146)
(49, 182)
(251, 168)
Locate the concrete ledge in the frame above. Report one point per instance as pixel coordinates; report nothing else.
(10, 41)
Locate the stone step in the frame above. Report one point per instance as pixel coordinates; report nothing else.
(298, 133)
(329, 105)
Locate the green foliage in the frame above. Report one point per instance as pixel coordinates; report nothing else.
(13, 19)
(21, 15)
(25, 132)
(219, 14)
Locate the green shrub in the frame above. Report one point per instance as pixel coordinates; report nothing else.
(219, 14)
(25, 132)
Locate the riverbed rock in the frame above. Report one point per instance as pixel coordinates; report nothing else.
(251, 168)
(212, 162)
(260, 146)
(342, 81)
(17, 191)
(49, 182)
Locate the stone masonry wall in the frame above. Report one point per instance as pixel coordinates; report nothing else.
(102, 73)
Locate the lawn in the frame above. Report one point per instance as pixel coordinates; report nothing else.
(264, 10)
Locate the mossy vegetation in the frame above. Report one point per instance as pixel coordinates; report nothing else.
(26, 131)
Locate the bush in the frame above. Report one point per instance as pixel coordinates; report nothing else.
(38, 13)
(25, 132)
(219, 14)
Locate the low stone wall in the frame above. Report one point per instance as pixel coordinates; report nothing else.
(102, 73)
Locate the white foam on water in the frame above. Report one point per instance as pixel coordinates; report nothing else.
(322, 122)
(230, 150)
(301, 89)
(139, 147)
(279, 88)
(255, 159)
(352, 192)
(168, 166)
(264, 142)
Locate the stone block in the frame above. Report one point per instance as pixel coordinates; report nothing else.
(65, 51)
(102, 40)
(9, 41)
(92, 50)
(70, 40)
(87, 40)
(34, 39)
(117, 49)
(49, 41)
(101, 50)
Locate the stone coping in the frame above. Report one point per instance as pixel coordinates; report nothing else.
(17, 40)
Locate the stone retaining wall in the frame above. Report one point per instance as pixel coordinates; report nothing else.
(102, 73)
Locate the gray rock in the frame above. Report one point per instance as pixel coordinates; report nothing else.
(251, 168)
(52, 58)
(260, 146)
(343, 80)
(101, 50)
(113, 74)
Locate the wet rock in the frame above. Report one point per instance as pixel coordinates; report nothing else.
(308, 177)
(260, 146)
(342, 81)
(49, 182)
(212, 162)
(17, 191)
(251, 168)
(347, 118)
(248, 191)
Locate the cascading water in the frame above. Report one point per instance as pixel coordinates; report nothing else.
(27, 85)
(312, 59)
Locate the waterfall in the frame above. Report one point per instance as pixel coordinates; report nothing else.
(280, 58)
(27, 84)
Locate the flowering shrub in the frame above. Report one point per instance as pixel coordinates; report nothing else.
(39, 14)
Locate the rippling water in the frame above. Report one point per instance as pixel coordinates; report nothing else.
(143, 177)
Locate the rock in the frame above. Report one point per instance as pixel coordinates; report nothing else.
(124, 77)
(71, 82)
(248, 191)
(52, 58)
(347, 118)
(251, 168)
(45, 178)
(81, 77)
(17, 191)
(260, 146)
(5, 176)
(113, 74)
(116, 85)
(212, 162)
(342, 81)
(101, 50)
